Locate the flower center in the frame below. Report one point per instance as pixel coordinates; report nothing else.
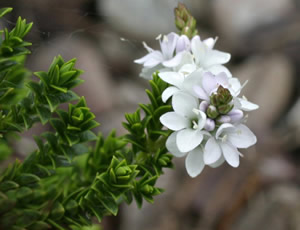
(195, 125)
(224, 138)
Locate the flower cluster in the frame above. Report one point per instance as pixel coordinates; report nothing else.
(208, 114)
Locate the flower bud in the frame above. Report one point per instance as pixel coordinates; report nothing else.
(224, 109)
(209, 125)
(203, 106)
(224, 119)
(192, 23)
(187, 31)
(179, 23)
(183, 43)
(235, 115)
(212, 112)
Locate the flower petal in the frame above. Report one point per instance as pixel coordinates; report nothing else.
(210, 42)
(215, 57)
(173, 62)
(200, 93)
(199, 49)
(154, 60)
(174, 121)
(247, 105)
(241, 137)
(218, 162)
(195, 78)
(209, 83)
(223, 128)
(234, 86)
(215, 69)
(187, 69)
(148, 72)
(231, 154)
(188, 139)
(168, 44)
(172, 146)
(183, 104)
(212, 151)
(168, 92)
(183, 43)
(194, 162)
(172, 78)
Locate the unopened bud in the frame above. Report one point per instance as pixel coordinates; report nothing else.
(187, 31)
(203, 106)
(224, 119)
(209, 125)
(224, 109)
(236, 115)
(179, 23)
(192, 23)
(183, 43)
(212, 112)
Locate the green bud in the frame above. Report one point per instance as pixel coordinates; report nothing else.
(179, 23)
(187, 31)
(192, 23)
(147, 189)
(121, 171)
(224, 109)
(212, 112)
(224, 95)
(184, 21)
(112, 176)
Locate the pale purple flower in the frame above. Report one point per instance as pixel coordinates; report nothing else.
(207, 58)
(187, 121)
(226, 142)
(169, 56)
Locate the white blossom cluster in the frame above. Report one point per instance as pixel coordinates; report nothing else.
(208, 114)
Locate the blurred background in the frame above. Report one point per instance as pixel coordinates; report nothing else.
(264, 40)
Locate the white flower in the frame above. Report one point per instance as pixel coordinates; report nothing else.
(167, 57)
(180, 81)
(208, 58)
(187, 121)
(226, 142)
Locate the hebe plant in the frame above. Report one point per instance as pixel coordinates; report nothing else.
(74, 175)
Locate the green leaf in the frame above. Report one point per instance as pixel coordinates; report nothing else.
(66, 76)
(72, 139)
(67, 97)
(39, 225)
(8, 185)
(87, 136)
(61, 89)
(27, 179)
(109, 203)
(43, 76)
(57, 211)
(58, 125)
(4, 11)
(6, 64)
(44, 113)
(53, 102)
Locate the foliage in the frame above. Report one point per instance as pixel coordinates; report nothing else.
(74, 175)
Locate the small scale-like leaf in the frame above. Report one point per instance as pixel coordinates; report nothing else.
(4, 11)
(44, 113)
(109, 203)
(87, 136)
